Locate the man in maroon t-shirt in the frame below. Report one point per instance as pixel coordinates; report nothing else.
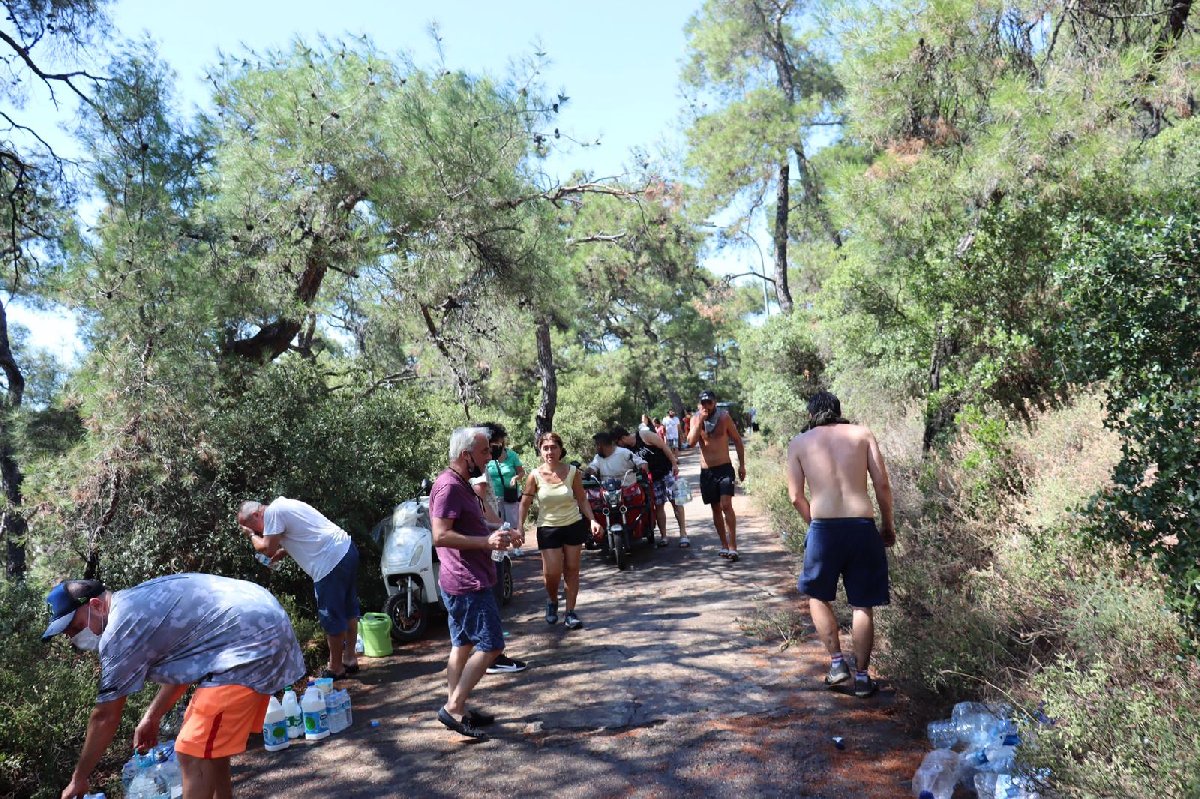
(465, 546)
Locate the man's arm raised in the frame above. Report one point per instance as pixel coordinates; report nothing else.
(795, 481)
(883, 489)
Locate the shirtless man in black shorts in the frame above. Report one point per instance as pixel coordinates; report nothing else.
(712, 429)
(835, 458)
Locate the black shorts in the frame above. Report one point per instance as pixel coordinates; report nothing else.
(574, 534)
(716, 482)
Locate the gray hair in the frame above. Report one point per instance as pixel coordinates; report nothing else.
(248, 509)
(463, 439)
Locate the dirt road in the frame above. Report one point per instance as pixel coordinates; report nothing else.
(661, 694)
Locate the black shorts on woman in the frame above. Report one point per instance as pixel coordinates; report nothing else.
(574, 534)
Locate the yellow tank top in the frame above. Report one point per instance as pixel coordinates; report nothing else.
(556, 501)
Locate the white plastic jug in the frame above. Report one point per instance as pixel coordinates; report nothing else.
(295, 716)
(275, 727)
(316, 718)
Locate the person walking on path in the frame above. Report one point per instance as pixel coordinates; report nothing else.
(327, 554)
(505, 472)
(664, 470)
(230, 637)
(565, 523)
(671, 424)
(834, 458)
(464, 545)
(713, 428)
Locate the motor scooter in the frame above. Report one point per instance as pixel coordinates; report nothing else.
(410, 567)
(625, 509)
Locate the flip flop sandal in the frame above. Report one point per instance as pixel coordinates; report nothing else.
(684, 543)
(662, 542)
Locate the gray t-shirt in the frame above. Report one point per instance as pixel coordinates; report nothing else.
(189, 628)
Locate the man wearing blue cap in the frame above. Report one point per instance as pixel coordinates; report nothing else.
(229, 637)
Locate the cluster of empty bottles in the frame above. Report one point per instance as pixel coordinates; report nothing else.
(975, 748)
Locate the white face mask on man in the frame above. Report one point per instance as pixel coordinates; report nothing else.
(85, 639)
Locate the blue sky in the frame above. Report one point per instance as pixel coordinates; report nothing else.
(618, 61)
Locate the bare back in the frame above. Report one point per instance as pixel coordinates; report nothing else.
(835, 461)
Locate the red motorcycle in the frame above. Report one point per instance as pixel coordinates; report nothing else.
(625, 509)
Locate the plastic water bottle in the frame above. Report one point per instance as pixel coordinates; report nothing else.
(275, 727)
(346, 709)
(942, 734)
(293, 714)
(148, 783)
(359, 646)
(264, 560)
(937, 775)
(333, 711)
(316, 717)
(168, 769)
(133, 767)
(498, 554)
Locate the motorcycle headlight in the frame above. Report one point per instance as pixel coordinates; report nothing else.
(417, 556)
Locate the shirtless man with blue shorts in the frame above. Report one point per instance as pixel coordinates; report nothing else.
(834, 458)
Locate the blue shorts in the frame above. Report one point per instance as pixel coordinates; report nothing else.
(851, 549)
(474, 620)
(337, 594)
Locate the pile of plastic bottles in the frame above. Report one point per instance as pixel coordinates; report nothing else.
(154, 775)
(976, 748)
(320, 712)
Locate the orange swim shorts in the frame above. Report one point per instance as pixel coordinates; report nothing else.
(219, 719)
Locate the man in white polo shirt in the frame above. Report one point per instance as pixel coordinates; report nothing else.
(327, 555)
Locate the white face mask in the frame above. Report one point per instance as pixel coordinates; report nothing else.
(85, 639)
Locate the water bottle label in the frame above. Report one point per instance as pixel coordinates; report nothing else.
(323, 721)
(275, 734)
(312, 721)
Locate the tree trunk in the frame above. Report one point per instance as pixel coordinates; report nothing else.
(812, 196)
(12, 520)
(783, 295)
(544, 422)
(672, 393)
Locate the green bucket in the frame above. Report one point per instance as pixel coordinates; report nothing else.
(376, 629)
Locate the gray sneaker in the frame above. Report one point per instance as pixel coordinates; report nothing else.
(837, 674)
(572, 621)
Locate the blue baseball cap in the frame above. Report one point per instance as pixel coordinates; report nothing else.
(66, 598)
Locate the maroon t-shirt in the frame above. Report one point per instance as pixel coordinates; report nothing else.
(464, 571)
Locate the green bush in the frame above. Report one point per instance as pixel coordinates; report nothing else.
(47, 692)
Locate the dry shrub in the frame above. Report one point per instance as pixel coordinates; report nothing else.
(996, 595)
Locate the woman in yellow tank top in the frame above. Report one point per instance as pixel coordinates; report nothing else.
(565, 523)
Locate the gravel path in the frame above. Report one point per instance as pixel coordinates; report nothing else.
(662, 694)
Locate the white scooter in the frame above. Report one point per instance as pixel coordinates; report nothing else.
(410, 570)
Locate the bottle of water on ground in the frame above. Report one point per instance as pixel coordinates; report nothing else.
(275, 727)
(148, 782)
(937, 776)
(168, 768)
(316, 716)
(293, 714)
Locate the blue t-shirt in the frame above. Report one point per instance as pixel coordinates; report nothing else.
(189, 628)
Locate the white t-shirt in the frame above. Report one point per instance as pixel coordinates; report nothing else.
(672, 425)
(615, 465)
(316, 543)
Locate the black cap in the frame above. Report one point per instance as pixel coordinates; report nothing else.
(707, 396)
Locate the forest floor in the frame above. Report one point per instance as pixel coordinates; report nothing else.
(663, 693)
